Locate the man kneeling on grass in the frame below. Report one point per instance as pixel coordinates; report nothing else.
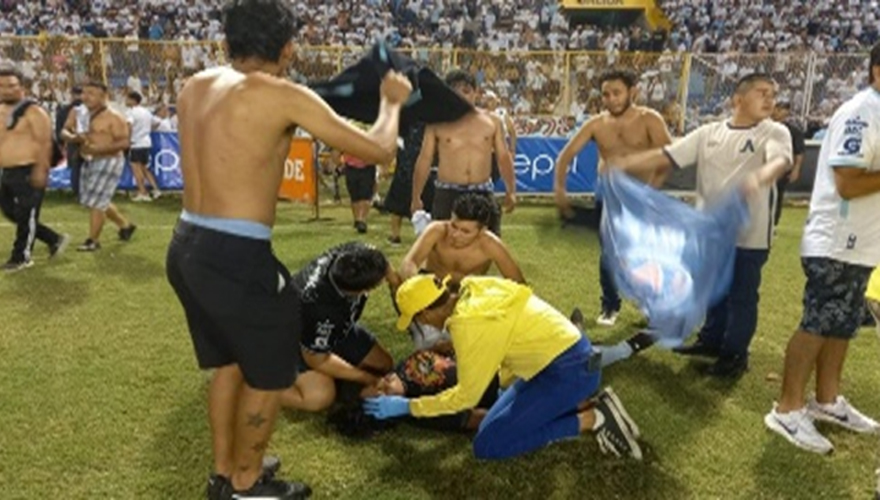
(496, 322)
(331, 293)
(460, 247)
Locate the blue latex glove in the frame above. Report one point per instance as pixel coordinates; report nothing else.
(384, 407)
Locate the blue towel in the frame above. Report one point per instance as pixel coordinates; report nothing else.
(672, 260)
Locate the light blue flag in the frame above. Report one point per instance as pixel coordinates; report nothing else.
(672, 260)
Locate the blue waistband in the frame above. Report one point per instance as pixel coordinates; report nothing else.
(237, 227)
(482, 186)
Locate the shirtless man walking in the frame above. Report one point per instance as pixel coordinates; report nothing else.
(102, 149)
(460, 247)
(235, 126)
(465, 149)
(621, 130)
(25, 149)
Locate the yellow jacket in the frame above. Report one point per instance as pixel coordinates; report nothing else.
(497, 324)
(873, 292)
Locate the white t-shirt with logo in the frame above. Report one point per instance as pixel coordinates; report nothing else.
(141, 121)
(847, 230)
(724, 155)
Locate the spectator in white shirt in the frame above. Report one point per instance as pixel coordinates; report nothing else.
(140, 121)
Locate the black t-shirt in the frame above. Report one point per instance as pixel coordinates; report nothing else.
(798, 146)
(327, 314)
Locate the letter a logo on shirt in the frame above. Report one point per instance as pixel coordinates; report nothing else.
(749, 147)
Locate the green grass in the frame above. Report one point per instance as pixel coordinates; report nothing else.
(100, 396)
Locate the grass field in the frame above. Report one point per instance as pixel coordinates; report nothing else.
(100, 396)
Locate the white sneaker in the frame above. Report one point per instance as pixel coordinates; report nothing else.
(156, 194)
(141, 198)
(843, 414)
(798, 429)
(607, 318)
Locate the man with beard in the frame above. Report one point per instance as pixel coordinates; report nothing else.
(25, 150)
(623, 129)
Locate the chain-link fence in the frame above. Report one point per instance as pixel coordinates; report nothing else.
(687, 89)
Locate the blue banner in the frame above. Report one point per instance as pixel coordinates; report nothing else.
(535, 164)
(164, 164)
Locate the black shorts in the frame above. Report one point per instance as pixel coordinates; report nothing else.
(444, 200)
(139, 155)
(834, 297)
(238, 307)
(360, 183)
(355, 346)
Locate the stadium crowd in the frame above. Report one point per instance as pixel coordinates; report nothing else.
(730, 39)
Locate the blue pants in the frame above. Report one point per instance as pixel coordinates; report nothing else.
(730, 325)
(531, 414)
(610, 295)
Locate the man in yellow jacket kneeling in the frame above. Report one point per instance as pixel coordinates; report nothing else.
(497, 324)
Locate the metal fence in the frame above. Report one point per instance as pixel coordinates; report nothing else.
(542, 89)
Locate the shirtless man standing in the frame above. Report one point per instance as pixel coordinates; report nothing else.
(102, 149)
(25, 149)
(460, 247)
(465, 148)
(235, 126)
(621, 130)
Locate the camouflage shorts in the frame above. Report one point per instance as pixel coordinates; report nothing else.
(834, 297)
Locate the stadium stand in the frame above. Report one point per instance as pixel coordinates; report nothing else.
(529, 52)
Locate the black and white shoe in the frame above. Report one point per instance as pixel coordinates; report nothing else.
(609, 397)
(90, 245)
(641, 341)
(15, 266)
(614, 436)
(268, 489)
(217, 484)
(58, 248)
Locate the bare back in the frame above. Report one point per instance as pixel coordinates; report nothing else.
(465, 148)
(233, 145)
(19, 146)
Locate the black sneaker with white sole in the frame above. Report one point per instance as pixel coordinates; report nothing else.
(268, 489)
(15, 266)
(217, 483)
(610, 398)
(614, 436)
(641, 341)
(90, 245)
(58, 248)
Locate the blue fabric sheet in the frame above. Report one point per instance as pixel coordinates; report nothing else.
(672, 260)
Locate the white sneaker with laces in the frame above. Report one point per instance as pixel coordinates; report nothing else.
(797, 427)
(843, 414)
(607, 318)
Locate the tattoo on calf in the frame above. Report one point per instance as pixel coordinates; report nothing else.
(261, 446)
(256, 420)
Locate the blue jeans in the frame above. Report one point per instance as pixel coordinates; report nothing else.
(531, 414)
(730, 325)
(610, 295)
